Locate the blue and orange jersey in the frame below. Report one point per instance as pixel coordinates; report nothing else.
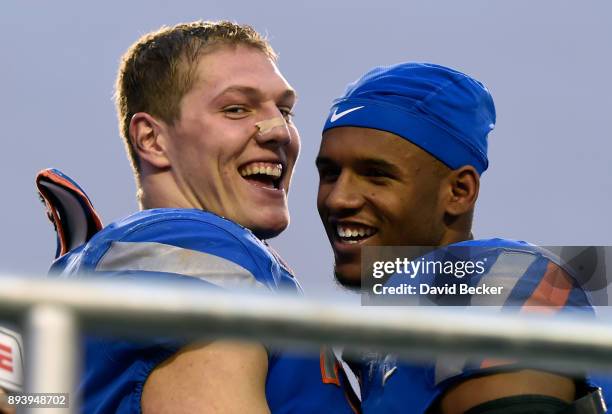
(533, 280)
(206, 251)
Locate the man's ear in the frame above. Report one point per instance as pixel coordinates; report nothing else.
(464, 186)
(148, 139)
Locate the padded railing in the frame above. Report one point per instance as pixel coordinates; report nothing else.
(54, 313)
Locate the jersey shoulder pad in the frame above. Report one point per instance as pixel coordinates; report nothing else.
(181, 242)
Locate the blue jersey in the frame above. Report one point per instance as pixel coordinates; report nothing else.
(532, 280)
(205, 250)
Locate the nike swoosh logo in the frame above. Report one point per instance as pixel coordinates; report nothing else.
(388, 374)
(335, 116)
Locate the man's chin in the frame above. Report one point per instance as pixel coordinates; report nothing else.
(348, 276)
(270, 229)
(265, 223)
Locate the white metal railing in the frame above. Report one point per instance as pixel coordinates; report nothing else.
(54, 312)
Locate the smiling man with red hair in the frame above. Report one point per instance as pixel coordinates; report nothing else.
(206, 117)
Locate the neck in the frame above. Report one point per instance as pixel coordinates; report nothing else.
(457, 230)
(159, 190)
(456, 237)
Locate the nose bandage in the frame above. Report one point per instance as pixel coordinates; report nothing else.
(269, 124)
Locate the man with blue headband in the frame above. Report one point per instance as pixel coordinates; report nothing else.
(400, 164)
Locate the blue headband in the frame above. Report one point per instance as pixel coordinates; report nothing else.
(443, 111)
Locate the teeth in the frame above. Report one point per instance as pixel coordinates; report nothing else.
(265, 168)
(354, 231)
